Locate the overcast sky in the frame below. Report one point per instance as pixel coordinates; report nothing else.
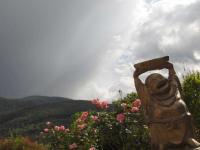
(85, 49)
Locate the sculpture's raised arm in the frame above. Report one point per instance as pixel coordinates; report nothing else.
(140, 87)
(140, 68)
(173, 77)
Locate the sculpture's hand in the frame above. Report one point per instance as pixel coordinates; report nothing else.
(165, 65)
(137, 72)
(168, 65)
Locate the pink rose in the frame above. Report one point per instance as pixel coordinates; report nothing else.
(84, 116)
(94, 118)
(104, 105)
(136, 103)
(62, 128)
(134, 109)
(95, 101)
(73, 146)
(121, 118)
(46, 130)
(92, 148)
(98, 104)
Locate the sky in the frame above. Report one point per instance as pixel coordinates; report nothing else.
(85, 49)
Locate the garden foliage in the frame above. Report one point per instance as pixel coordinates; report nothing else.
(123, 128)
(191, 94)
(19, 143)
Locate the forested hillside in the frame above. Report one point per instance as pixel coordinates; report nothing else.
(28, 115)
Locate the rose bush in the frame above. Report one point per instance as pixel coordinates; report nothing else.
(122, 128)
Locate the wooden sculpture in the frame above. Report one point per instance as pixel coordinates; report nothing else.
(169, 120)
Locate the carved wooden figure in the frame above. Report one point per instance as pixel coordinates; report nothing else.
(169, 120)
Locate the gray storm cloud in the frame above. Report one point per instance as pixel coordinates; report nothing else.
(54, 47)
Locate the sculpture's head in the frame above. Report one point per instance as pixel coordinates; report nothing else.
(156, 83)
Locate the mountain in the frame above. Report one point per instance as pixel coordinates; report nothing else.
(27, 116)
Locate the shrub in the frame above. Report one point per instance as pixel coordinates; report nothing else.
(191, 94)
(123, 128)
